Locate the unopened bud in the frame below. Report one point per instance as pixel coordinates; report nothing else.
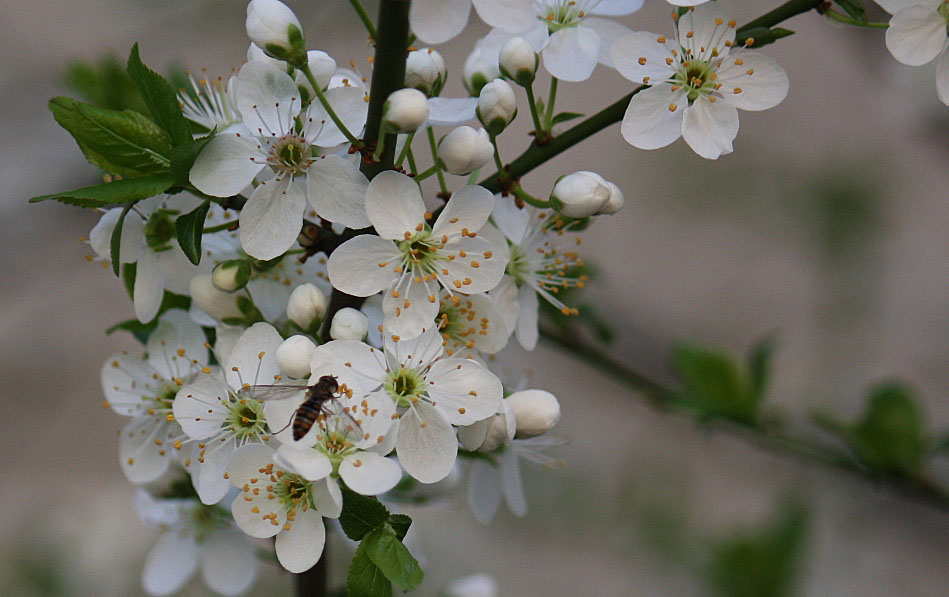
(293, 356)
(218, 304)
(497, 106)
(499, 433)
(231, 275)
(323, 68)
(276, 30)
(425, 71)
(535, 411)
(349, 324)
(518, 61)
(477, 71)
(307, 306)
(464, 150)
(405, 110)
(615, 202)
(580, 194)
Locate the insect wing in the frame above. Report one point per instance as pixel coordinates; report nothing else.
(261, 393)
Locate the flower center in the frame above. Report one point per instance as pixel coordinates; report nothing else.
(697, 76)
(159, 229)
(405, 386)
(245, 417)
(420, 252)
(289, 155)
(560, 14)
(206, 519)
(459, 324)
(517, 266)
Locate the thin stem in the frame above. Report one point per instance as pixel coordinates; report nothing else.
(538, 129)
(405, 149)
(551, 100)
(833, 15)
(219, 227)
(497, 156)
(364, 17)
(782, 13)
(411, 158)
(423, 175)
(437, 166)
(526, 197)
(305, 69)
(380, 146)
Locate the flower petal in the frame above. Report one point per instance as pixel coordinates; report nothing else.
(469, 207)
(366, 365)
(426, 445)
(170, 563)
(642, 58)
(363, 265)
(437, 21)
(526, 330)
(350, 106)
(464, 390)
(133, 236)
(328, 497)
(484, 491)
(300, 548)
(752, 81)
(310, 464)
(942, 77)
(395, 206)
(226, 165)
(511, 484)
(451, 111)
(141, 459)
(409, 307)
(370, 474)
(514, 222)
(253, 360)
(571, 53)
(709, 128)
(125, 379)
(193, 403)
(272, 218)
(512, 15)
(267, 98)
(609, 31)
(176, 332)
(415, 353)
(337, 191)
(491, 44)
(654, 117)
(704, 28)
(916, 34)
(617, 8)
(228, 562)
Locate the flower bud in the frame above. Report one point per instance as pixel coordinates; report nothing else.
(497, 435)
(323, 68)
(580, 194)
(293, 356)
(518, 61)
(615, 202)
(307, 306)
(497, 106)
(464, 150)
(218, 304)
(477, 71)
(425, 71)
(231, 275)
(405, 111)
(349, 324)
(276, 30)
(535, 411)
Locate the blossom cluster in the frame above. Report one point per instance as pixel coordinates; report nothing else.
(316, 328)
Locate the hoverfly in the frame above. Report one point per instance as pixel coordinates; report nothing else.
(316, 405)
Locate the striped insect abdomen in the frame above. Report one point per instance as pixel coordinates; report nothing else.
(305, 417)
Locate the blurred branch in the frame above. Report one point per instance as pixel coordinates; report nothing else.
(665, 399)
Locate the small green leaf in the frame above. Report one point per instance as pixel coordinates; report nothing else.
(361, 514)
(115, 246)
(400, 523)
(128, 278)
(564, 117)
(140, 330)
(161, 99)
(104, 83)
(759, 367)
(125, 142)
(854, 8)
(891, 434)
(713, 384)
(760, 36)
(189, 228)
(365, 579)
(387, 552)
(117, 192)
(183, 157)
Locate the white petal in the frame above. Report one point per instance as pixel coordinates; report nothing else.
(514, 222)
(386, 446)
(149, 287)
(942, 77)
(170, 563)
(354, 267)
(350, 106)
(709, 128)
(176, 333)
(571, 53)
(650, 122)
(437, 21)
(698, 30)
(328, 497)
(490, 233)
(641, 57)
(916, 34)
(370, 474)
(226, 165)
(469, 207)
(272, 218)
(458, 385)
(493, 334)
(462, 274)
(511, 15)
(484, 491)
(133, 236)
(310, 464)
(536, 36)
(472, 436)
(192, 403)
(125, 379)
(300, 548)
(395, 205)
(141, 459)
(894, 6)
(413, 309)
(245, 465)
(228, 562)
(451, 111)
(267, 98)
(337, 191)
(511, 482)
(364, 364)
(526, 330)
(254, 357)
(426, 445)
(270, 296)
(505, 298)
(617, 8)
(415, 353)
(210, 482)
(762, 84)
(609, 31)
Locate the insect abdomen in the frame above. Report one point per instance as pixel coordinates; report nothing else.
(304, 419)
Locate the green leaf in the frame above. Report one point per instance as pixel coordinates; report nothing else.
(104, 83)
(760, 36)
(128, 278)
(564, 117)
(759, 367)
(400, 523)
(115, 245)
(713, 384)
(161, 99)
(387, 552)
(125, 142)
(365, 579)
(361, 514)
(183, 157)
(140, 330)
(891, 434)
(117, 192)
(854, 8)
(189, 228)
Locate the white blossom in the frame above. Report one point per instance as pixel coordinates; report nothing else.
(425, 70)
(464, 149)
(535, 411)
(518, 61)
(272, 25)
(919, 33)
(477, 72)
(293, 356)
(307, 305)
(437, 21)
(580, 195)
(497, 105)
(349, 324)
(405, 111)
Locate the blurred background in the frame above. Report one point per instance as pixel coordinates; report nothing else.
(826, 229)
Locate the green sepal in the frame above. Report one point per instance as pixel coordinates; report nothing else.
(128, 278)
(854, 9)
(761, 36)
(189, 229)
(365, 579)
(125, 142)
(115, 243)
(393, 558)
(250, 311)
(361, 514)
(714, 385)
(161, 99)
(891, 434)
(183, 157)
(117, 192)
(564, 117)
